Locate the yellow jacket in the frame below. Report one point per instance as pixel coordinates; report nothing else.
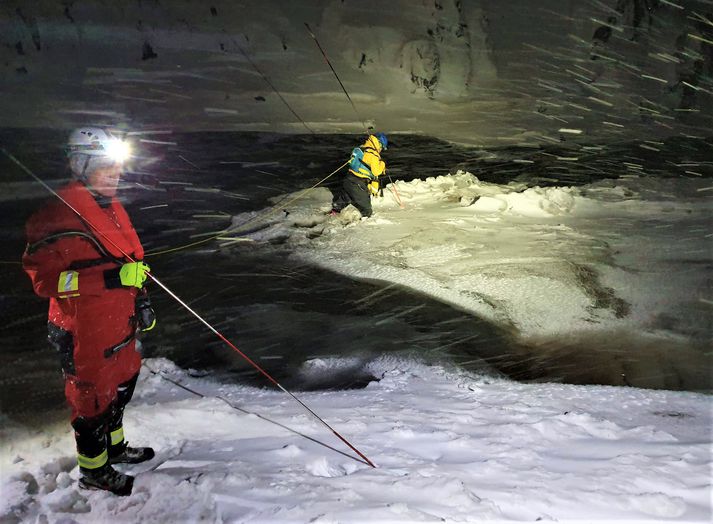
(372, 159)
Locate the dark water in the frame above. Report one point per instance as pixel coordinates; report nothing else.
(277, 311)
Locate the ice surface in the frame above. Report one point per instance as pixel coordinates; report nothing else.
(612, 270)
(542, 260)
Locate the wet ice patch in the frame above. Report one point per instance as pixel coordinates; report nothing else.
(334, 373)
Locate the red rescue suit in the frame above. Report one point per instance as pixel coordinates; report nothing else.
(93, 327)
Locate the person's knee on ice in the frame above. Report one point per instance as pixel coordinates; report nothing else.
(362, 180)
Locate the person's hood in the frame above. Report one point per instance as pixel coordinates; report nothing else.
(373, 143)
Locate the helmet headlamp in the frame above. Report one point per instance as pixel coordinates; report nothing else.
(117, 150)
(97, 142)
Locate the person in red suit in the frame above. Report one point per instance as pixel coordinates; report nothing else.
(76, 256)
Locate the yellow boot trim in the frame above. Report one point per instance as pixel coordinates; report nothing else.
(92, 462)
(117, 436)
(153, 325)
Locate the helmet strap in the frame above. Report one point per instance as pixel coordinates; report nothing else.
(83, 175)
(84, 179)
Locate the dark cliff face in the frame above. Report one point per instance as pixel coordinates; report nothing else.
(479, 71)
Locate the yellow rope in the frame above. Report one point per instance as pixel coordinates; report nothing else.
(241, 226)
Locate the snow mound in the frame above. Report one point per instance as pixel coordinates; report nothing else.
(542, 202)
(324, 468)
(457, 188)
(465, 189)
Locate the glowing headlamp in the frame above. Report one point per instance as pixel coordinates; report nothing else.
(118, 150)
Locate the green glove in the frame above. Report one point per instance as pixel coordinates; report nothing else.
(134, 274)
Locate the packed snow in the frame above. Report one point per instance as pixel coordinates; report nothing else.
(449, 445)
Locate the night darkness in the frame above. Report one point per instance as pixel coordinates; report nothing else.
(546, 220)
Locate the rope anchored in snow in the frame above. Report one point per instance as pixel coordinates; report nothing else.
(189, 309)
(395, 191)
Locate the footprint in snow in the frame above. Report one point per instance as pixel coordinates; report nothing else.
(323, 468)
(289, 450)
(67, 501)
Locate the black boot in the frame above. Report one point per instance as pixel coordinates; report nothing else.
(108, 479)
(123, 454)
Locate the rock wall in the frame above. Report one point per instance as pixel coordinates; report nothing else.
(484, 72)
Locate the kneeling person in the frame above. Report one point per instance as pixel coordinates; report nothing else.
(362, 180)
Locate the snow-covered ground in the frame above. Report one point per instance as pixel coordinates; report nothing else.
(620, 264)
(617, 269)
(449, 447)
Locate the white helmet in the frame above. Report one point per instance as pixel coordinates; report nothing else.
(90, 148)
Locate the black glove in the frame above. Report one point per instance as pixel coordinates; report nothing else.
(145, 315)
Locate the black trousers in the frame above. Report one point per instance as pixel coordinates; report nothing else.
(354, 191)
(93, 435)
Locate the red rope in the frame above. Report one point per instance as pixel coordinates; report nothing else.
(181, 302)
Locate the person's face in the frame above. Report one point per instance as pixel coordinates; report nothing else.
(105, 180)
